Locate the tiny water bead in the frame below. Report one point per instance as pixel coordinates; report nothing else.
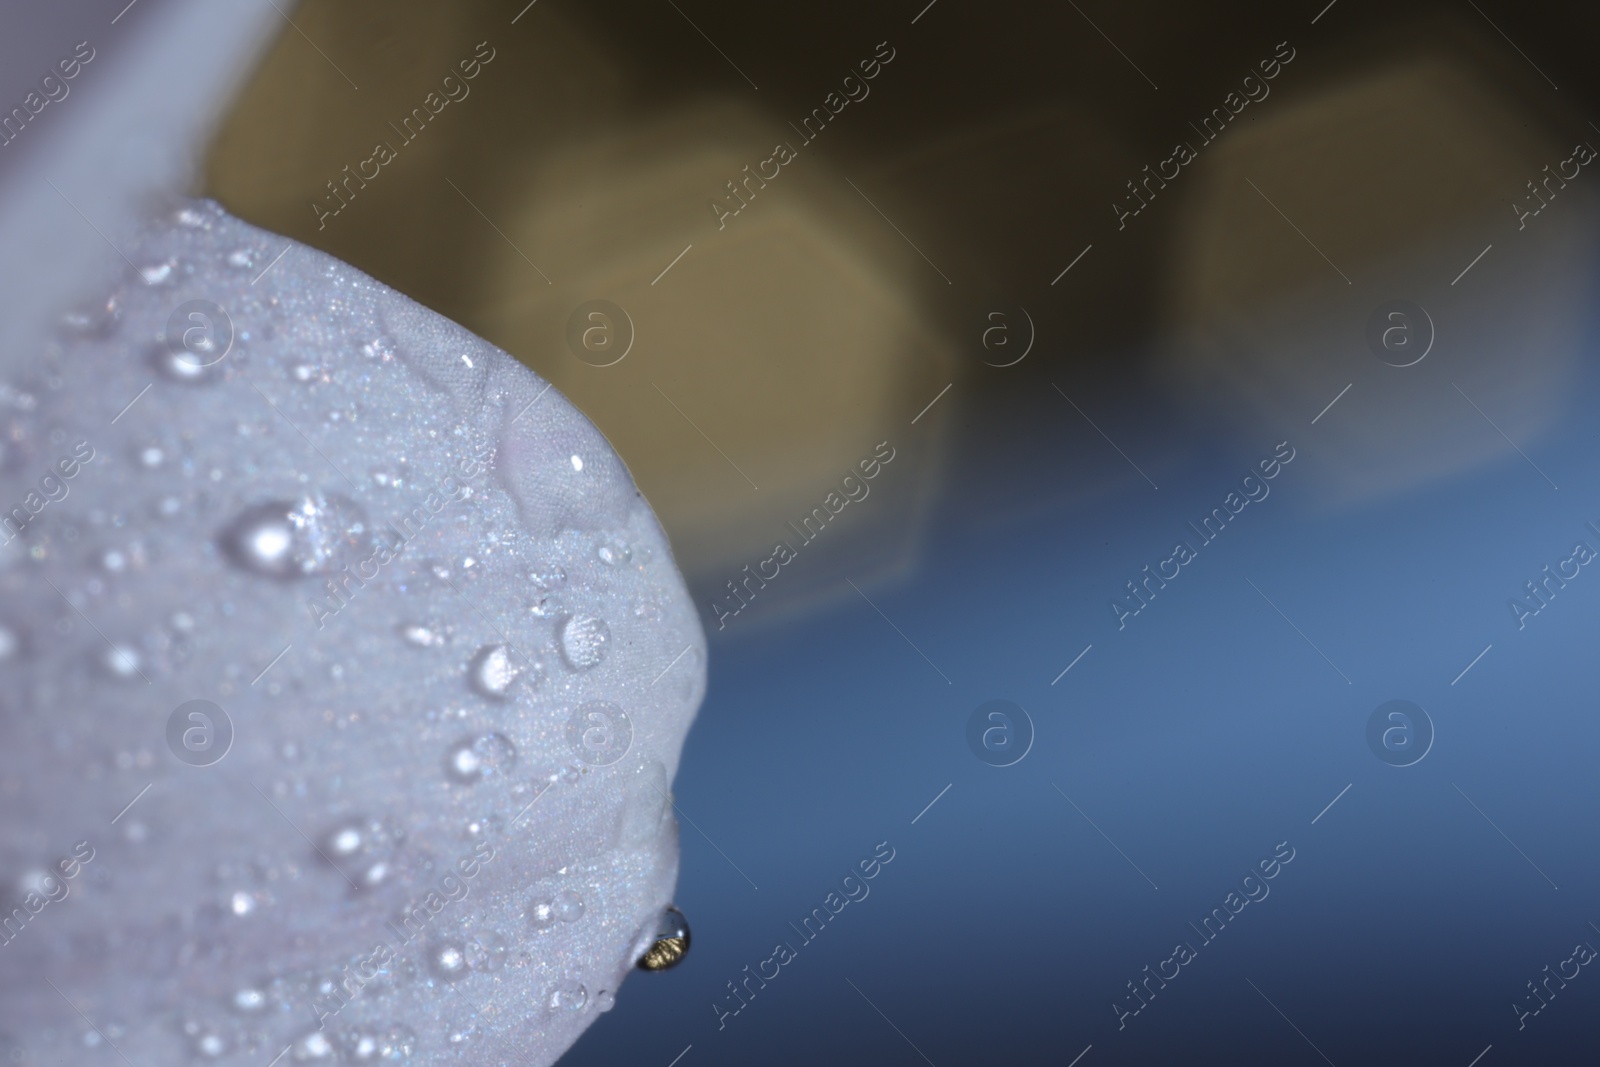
(569, 996)
(566, 906)
(249, 1001)
(548, 579)
(121, 661)
(421, 636)
(487, 951)
(671, 942)
(491, 672)
(363, 850)
(394, 1044)
(312, 1047)
(158, 273)
(206, 1042)
(474, 759)
(183, 366)
(613, 553)
(379, 348)
(583, 640)
(345, 841)
(448, 959)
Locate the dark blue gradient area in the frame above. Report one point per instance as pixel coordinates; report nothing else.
(1200, 800)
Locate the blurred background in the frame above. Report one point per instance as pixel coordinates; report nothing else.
(1078, 270)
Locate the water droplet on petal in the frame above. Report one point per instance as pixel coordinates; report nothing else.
(121, 661)
(360, 1047)
(548, 579)
(207, 1043)
(312, 1046)
(569, 996)
(158, 273)
(398, 1044)
(249, 1000)
(91, 321)
(487, 951)
(472, 760)
(421, 636)
(613, 553)
(583, 641)
(566, 906)
(491, 672)
(363, 850)
(243, 258)
(447, 959)
(345, 841)
(569, 906)
(184, 366)
(286, 539)
(379, 348)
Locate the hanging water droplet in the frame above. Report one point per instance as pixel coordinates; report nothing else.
(491, 672)
(605, 1000)
(472, 760)
(569, 996)
(286, 539)
(447, 959)
(669, 941)
(583, 641)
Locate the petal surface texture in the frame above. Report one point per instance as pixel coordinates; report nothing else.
(343, 679)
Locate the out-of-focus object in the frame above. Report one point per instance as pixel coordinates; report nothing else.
(1370, 207)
